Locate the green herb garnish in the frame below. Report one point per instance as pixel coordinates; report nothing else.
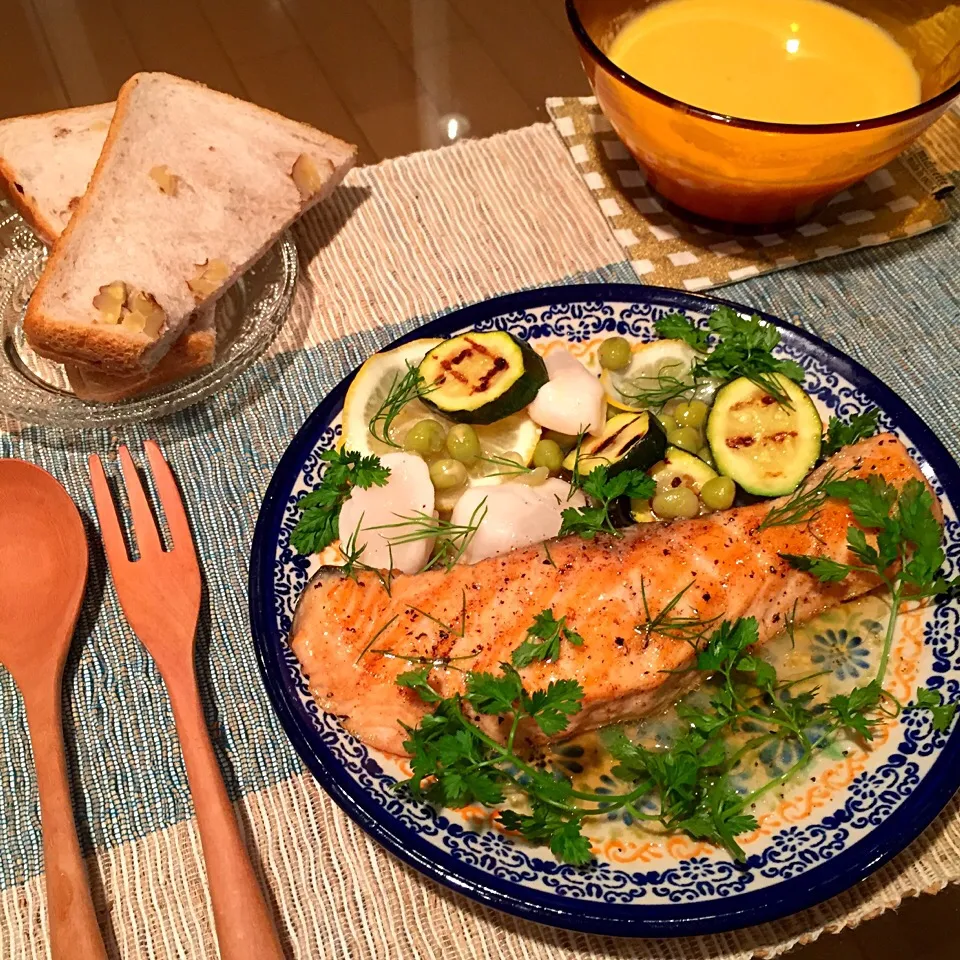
(908, 536)
(403, 389)
(452, 539)
(687, 628)
(346, 469)
(741, 347)
(543, 639)
(941, 713)
(590, 520)
(841, 434)
(675, 326)
(803, 504)
(687, 786)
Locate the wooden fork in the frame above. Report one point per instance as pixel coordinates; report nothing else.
(160, 597)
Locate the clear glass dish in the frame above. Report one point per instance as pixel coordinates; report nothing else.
(35, 390)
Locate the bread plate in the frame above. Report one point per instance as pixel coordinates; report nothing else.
(36, 390)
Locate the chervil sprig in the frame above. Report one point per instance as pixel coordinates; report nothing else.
(543, 640)
(842, 434)
(906, 554)
(603, 490)
(320, 509)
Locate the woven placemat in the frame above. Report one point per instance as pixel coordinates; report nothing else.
(666, 250)
(396, 245)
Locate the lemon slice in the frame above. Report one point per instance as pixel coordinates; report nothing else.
(653, 366)
(373, 382)
(370, 387)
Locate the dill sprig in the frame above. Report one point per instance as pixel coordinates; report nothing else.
(668, 387)
(512, 468)
(446, 626)
(352, 564)
(452, 539)
(403, 389)
(804, 503)
(377, 636)
(687, 628)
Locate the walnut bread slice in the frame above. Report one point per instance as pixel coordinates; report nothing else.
(191, 188)
(46, 162)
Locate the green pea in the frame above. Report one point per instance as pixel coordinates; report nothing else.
(547, 453)
(563, 440)
(692, 414)
(668, 423)
(686, 438)
(718, 493)
(463, 444)
(614, 353)
(680, 502)
(447, 474)
(706, 455)
(426, 438)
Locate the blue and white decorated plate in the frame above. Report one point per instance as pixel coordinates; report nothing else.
(824, 834)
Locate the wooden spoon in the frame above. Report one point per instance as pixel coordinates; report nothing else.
(43, 572)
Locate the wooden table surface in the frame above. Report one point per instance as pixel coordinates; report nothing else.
(393, 76)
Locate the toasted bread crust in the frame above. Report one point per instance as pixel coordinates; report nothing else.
(108, 348)
(192, 351)
(25, 206)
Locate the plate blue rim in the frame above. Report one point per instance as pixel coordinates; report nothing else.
(786, 897)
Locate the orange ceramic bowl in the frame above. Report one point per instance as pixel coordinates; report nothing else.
(751, 172)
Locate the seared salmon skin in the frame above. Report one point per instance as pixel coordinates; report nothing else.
(351, 635)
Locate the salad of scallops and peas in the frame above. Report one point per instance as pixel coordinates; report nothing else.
(488, 446)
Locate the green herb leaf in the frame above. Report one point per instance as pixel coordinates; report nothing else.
(543, 639)
(727, 643)
(494, 695)
(552, 708)
(345, 469)
(941, 713)
(546, 825)
(417, 680)
(593, 519)
(842, 434)
(851, 708)
(676, 326)
(823, 568)
(744, 348)
(403, 389)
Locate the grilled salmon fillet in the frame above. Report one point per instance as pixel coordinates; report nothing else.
(343, 625)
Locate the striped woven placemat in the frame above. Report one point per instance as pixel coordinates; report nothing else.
(398, 244)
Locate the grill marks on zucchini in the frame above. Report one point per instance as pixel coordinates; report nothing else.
(482, 377)
(630, 441)
(766, 447)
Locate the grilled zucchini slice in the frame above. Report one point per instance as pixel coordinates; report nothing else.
(766, 447)
(481, 377)
(630, 441)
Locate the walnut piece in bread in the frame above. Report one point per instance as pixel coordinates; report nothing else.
(133, 310)
(169, 183)
(208, 278)
(307, 177)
